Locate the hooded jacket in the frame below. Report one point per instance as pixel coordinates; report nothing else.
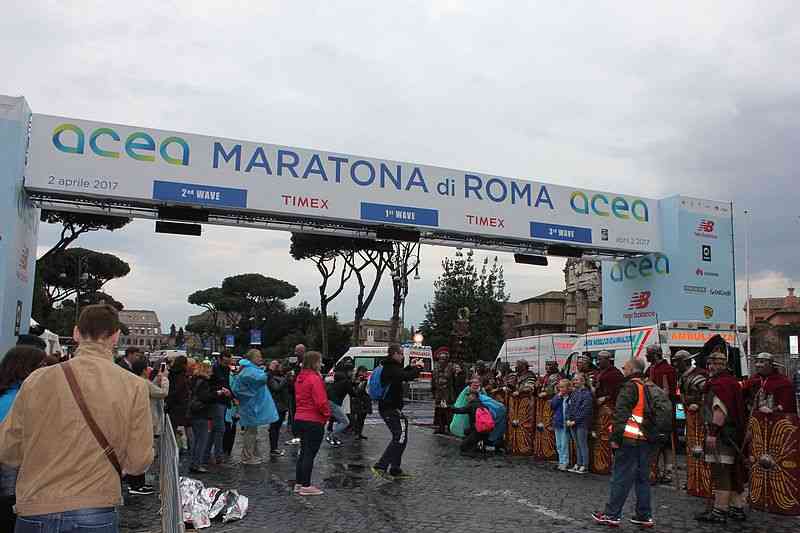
(311, 398)
(392, 376)
(256, 406)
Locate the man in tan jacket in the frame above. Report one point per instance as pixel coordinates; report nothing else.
(66, 481)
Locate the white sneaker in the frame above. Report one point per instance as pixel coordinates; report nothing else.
(293, 442)
(297, 487)
(575, 469)
(582, 470)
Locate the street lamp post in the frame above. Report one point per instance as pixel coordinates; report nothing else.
(747, 275)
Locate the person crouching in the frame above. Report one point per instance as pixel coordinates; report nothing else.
(472, 437)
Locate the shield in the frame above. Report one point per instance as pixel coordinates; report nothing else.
(544, 438)
(775, 460)
(698, 471)
(521, 424)
(600, 448)
(501, 396)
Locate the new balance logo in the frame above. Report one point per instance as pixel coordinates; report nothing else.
(705, 226)
(639, 300)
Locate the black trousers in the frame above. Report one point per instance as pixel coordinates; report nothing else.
(135, 482)
(310, 434)
(471, 440)
(7, 516)
(229, 438)
(358, 423)
(275, 431)
(393, 455)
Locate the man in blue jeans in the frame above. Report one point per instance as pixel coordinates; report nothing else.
(631, 452)
(220, 383)
(67, 481)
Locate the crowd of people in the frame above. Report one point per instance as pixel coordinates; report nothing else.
(74, 432)
(704, 387)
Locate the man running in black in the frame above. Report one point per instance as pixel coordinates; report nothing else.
(391, 409)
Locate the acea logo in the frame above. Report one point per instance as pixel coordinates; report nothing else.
(643, 267)
(600, 205)
(105, 142)
(639, 300)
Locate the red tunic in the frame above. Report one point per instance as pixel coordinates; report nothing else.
(661, 372)
(609, 382)
(776, 385)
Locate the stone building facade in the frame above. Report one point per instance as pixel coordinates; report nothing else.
(773, 321)
(583, 296)
(144, 330)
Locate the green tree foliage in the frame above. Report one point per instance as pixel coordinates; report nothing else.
(65, 272)
(482, 291)
(337, 259)
(60, 275)
(76, 224)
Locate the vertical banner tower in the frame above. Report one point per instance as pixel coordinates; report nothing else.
(19, 224)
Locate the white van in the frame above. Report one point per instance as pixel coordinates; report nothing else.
(370, 357)
(537, 350)
(628, 343)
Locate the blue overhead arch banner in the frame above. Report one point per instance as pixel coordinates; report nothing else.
(80, 158)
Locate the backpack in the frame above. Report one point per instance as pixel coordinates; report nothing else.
(484, 421)
(375, 389)
(657, 425)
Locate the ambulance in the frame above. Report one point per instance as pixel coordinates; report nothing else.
(370, 357)
(537, 350)
(672, 336)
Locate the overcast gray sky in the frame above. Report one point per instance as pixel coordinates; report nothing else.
(645, 98)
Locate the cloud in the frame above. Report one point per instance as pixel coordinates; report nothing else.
(649, 99)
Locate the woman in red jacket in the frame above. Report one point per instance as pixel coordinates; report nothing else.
(310, 418)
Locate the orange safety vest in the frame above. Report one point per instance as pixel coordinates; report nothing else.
(633, 427)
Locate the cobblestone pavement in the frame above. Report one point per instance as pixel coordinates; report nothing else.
(448, 493)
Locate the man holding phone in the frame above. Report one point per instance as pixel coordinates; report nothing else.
(220, 381)
(159, 389)
(390, 407)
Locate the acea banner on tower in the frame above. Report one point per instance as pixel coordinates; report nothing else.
(80, 158)
(691, 279)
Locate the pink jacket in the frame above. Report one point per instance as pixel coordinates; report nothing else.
(311, 398)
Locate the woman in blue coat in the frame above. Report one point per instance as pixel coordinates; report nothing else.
(256, 406)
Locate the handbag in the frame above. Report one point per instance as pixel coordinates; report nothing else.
(108, 451)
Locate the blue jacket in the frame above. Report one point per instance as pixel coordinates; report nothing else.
(8, 474)
(7, 400)
(580, 407)
(256, 406)
(557, 405)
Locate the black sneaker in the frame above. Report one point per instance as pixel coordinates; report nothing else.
(277, 453)
(642, 521)
(714, 516)
(141, 491)
(737, 513)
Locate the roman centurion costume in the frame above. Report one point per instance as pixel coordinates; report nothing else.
(608, 381)
(773, 432)
(544, 438)
(692, 384)
(724, 414)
